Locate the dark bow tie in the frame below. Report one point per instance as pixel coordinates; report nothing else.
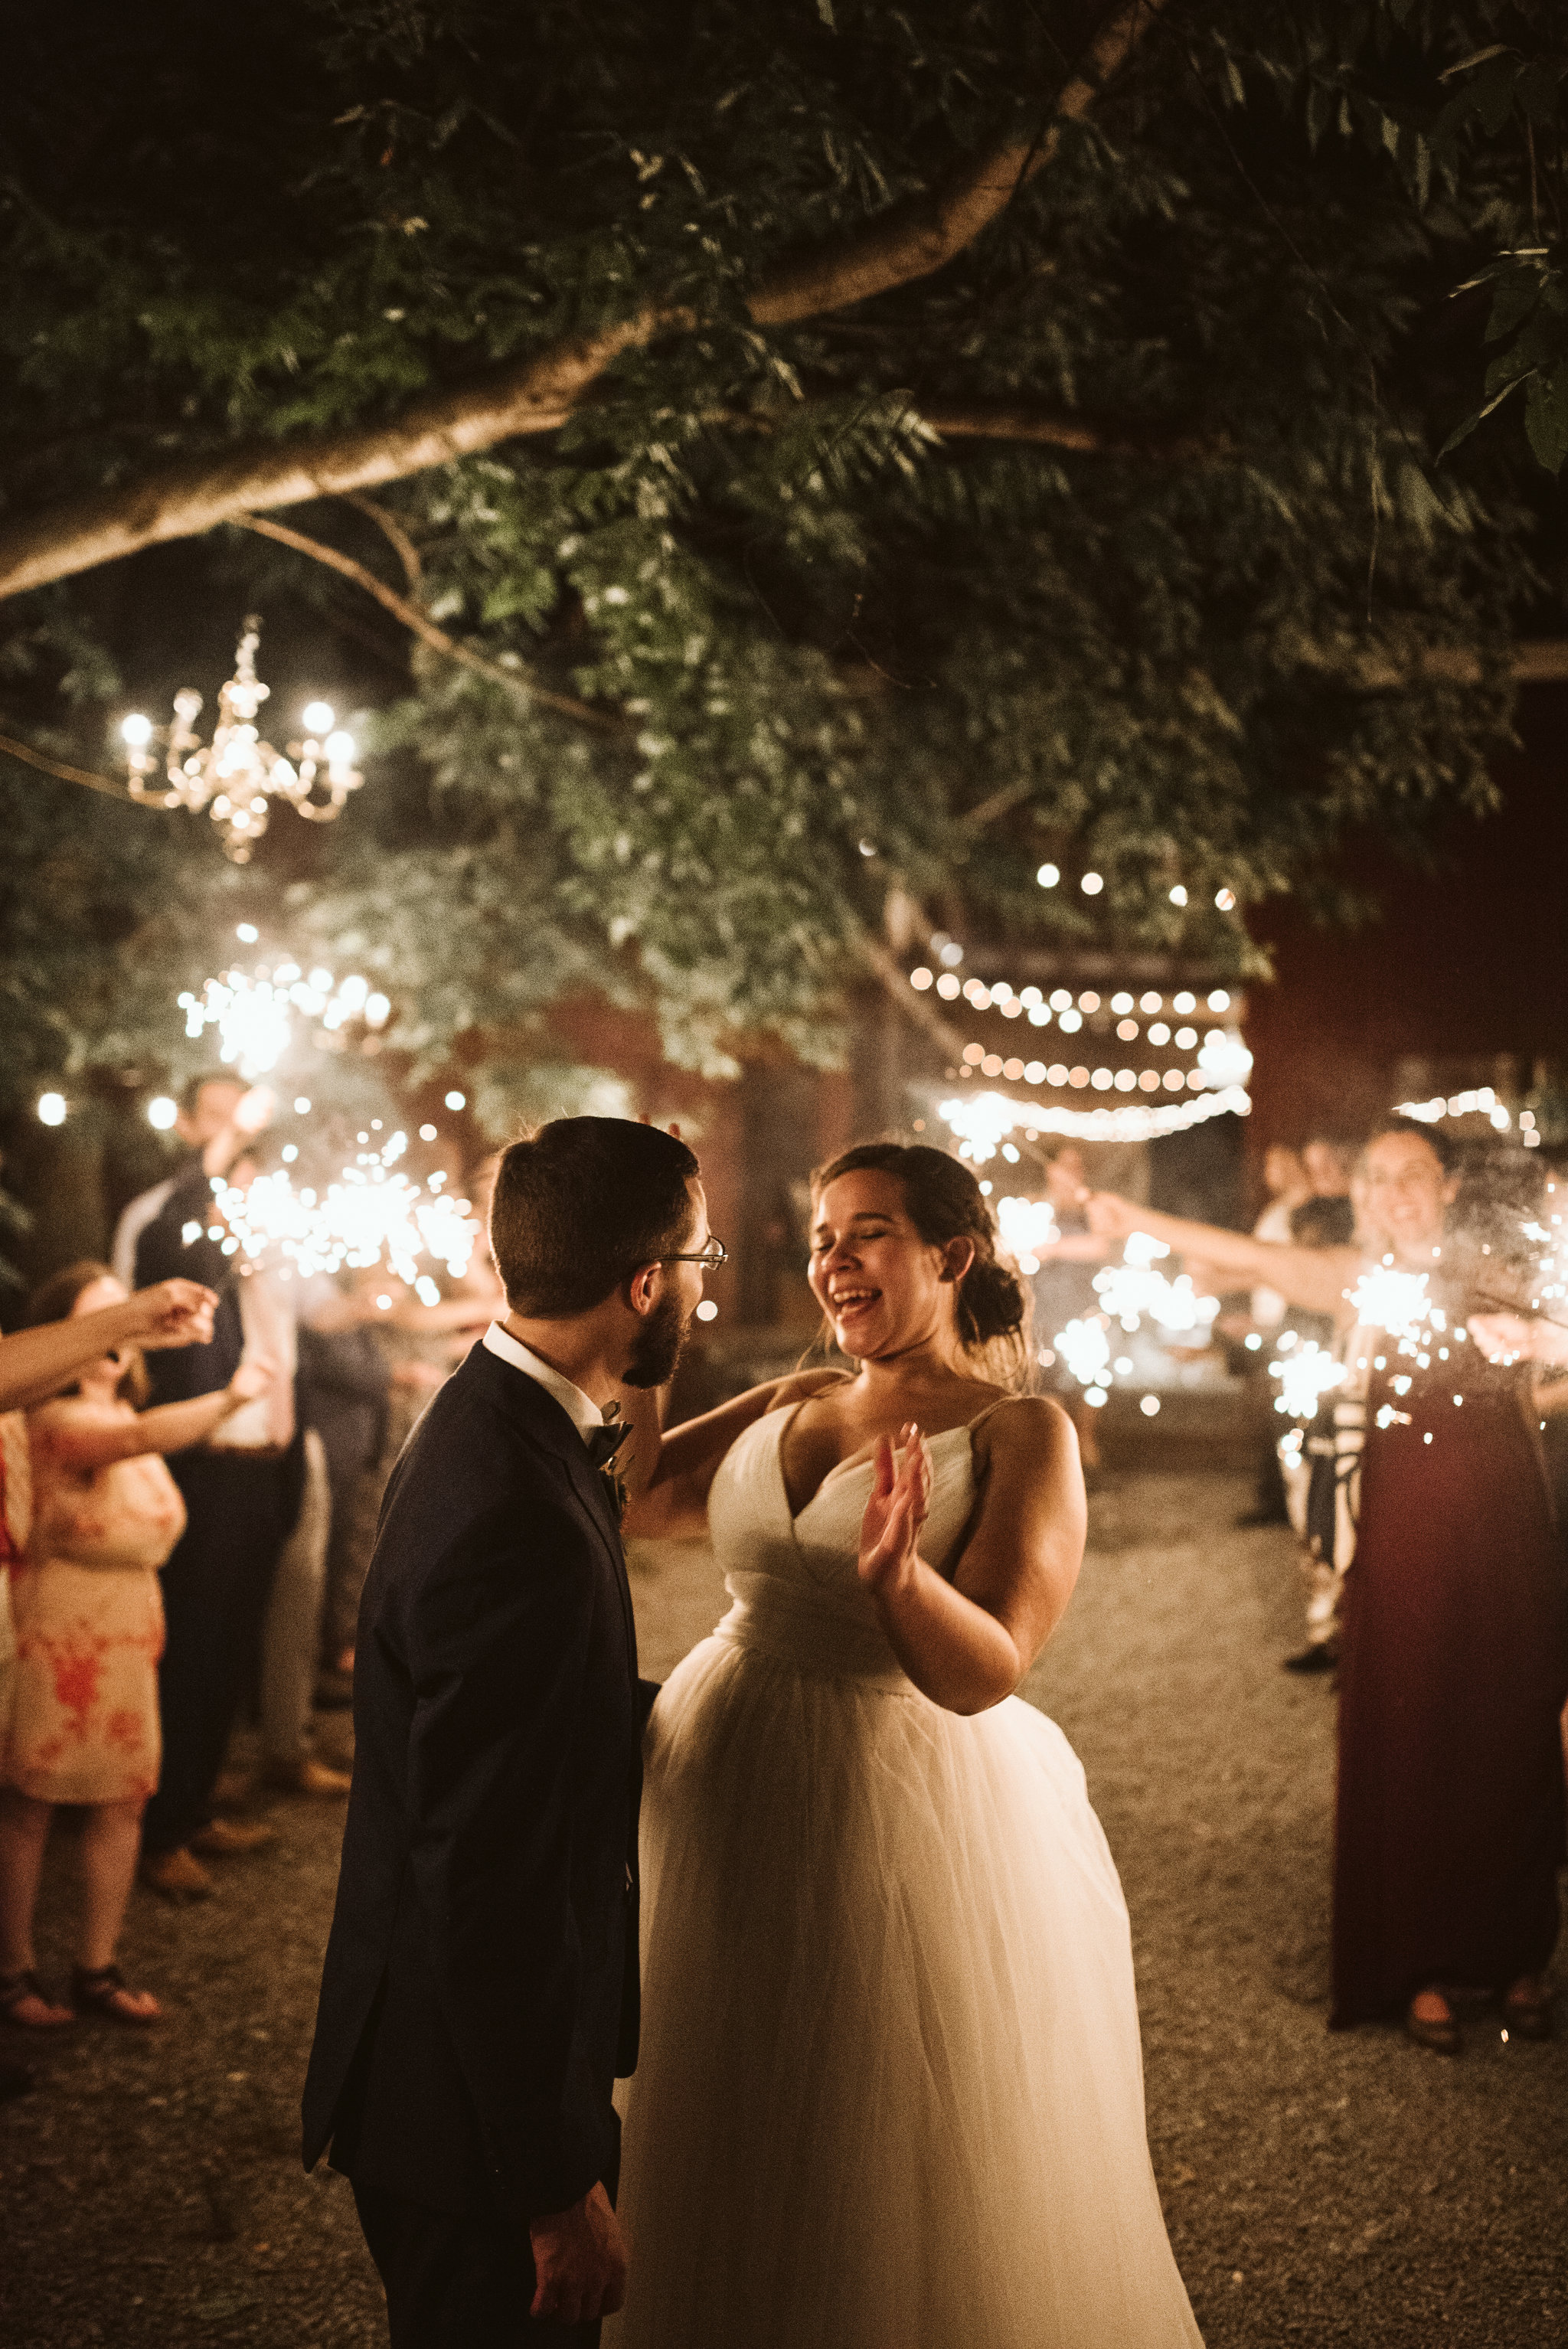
(604, 1442)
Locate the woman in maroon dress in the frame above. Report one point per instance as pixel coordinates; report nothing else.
(1448, 1824)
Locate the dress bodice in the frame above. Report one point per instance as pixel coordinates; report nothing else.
(127, 1516)
(793, 1576)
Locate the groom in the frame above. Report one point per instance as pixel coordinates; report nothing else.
(480, 1994)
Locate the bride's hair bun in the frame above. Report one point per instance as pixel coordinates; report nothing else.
(944, 1204)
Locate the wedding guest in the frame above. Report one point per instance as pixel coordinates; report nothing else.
(1064, 1287)
(35, 1364)
(1285, 1182)
(1453, 1665)
(291, 1639)
(241, 1495)
(1329, 1162)
(83, 1727)
(1324, 1221)
(346, 1382)
(217, 1114)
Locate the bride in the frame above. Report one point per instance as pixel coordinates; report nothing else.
(890, 2093)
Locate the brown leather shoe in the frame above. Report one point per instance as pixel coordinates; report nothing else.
(308, 1777)
(1440, 2033)
(1528, 2010)
(175, 1876)
(230, 1839)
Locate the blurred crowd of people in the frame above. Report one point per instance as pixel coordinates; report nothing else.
(191, 1471)
(1430, 1526)
(191, 1464)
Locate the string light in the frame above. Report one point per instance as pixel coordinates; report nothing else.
(51, 1109)
(980, 1120)
(1483, 1102)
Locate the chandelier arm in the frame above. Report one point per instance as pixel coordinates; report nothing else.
(415, 620)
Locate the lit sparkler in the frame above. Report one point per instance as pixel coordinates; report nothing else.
(1028, 1226)
(1306, 1372)
(1393, 1302)
(369, 1215)
(1085, 1348)
(255, 1013)
(1134, 1291)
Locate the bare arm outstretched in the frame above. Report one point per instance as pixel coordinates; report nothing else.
(85, 1435)
(669, 1476)
(36, 1363)
(1313, 1279)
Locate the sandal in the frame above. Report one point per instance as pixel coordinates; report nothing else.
(14, 1992)
(98, 1989)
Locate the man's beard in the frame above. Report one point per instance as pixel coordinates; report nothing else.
(657, 1348)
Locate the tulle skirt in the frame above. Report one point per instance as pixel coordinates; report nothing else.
(890, 2093)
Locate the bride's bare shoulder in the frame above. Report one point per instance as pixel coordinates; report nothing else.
(803, 1384)
(1022, 1424)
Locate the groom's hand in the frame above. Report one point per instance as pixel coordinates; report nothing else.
(579, 2262)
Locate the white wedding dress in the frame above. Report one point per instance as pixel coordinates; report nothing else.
(891, 2089)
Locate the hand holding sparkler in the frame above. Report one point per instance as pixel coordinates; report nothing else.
(1516, 1338)
(174, 1313)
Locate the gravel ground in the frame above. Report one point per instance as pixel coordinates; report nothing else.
(1346, 2190)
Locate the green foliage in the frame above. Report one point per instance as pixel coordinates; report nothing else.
(835, 649)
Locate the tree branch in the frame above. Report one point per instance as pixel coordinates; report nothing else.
(1049, 428)
(517, 680)
(392, 530)
(72, 774)
(899, 247)
(1056, 431)
(910, 242)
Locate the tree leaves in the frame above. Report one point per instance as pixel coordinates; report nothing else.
(827, 612)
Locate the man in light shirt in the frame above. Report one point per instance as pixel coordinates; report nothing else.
(216, 1116)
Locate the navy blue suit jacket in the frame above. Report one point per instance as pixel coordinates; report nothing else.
(480, 1993)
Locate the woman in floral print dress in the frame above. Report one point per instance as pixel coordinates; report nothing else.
(84, 1725)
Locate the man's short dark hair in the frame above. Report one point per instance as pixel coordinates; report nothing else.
(581, 1206)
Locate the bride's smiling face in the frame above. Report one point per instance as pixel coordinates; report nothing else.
(883, 1289)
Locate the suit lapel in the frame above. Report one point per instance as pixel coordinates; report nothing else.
(593, 1494)
(540, 1417)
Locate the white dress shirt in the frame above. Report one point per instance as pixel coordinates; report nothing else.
(580, 1409)
(130, 1228)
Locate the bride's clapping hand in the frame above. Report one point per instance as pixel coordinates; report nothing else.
(890, 1530)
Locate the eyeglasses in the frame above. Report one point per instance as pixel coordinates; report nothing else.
(710, 1257)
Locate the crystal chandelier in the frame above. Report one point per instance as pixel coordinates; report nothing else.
(236, 775)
